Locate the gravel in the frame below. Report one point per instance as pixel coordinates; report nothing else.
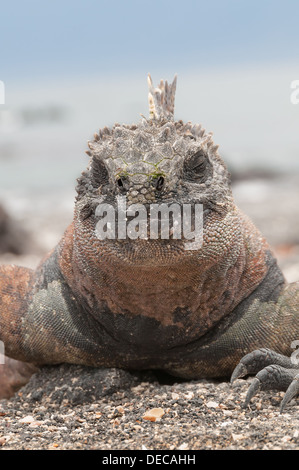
(71, 407)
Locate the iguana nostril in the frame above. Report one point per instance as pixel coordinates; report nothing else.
(160, 183)
(122, 184)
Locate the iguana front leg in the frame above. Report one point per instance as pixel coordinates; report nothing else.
(276, 371)
(40, 322)
(16, 286)
(16, 290)
(260, 321)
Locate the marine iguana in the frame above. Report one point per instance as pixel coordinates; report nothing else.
(144, 302)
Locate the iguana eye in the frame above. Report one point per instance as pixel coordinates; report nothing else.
(197, 162)
(197, 167)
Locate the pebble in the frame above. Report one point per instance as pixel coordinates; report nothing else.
(27, 419)
(212, 404)
(155, 414)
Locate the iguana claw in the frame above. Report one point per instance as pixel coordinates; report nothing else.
(239, 371)
(281, 374)
(291, 392)
(253, 389)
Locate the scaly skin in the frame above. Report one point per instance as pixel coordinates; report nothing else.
(152, 303)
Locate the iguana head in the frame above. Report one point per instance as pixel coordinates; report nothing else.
(159, 160)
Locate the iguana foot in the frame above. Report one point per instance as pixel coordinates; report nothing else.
(273, 372)
(13, 376)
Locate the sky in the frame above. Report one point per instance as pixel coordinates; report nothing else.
(86, 63)
(65, 38)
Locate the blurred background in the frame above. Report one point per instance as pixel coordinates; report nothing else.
(70, 67)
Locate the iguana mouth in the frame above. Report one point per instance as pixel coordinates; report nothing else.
(146, 252)
(164, 246)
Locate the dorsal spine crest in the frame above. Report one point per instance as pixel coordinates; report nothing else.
(161, 99)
